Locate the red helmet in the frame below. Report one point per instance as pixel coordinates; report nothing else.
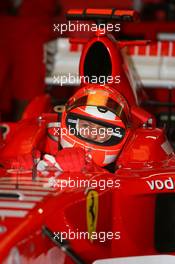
(101, 110)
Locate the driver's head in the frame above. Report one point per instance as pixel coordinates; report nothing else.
(96, 119)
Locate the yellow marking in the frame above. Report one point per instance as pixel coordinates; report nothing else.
(92, 211)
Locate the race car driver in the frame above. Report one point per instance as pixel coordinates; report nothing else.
(94, 125)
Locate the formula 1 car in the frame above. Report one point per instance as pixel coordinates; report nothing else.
(117, 215)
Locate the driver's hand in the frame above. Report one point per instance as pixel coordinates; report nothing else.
(71, 159)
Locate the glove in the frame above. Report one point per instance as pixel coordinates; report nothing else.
(68, 160)
(48, 163)
(71, 159)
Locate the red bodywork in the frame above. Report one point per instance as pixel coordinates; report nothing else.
(145, 164)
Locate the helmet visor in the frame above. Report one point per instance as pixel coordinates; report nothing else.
(99, 100)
